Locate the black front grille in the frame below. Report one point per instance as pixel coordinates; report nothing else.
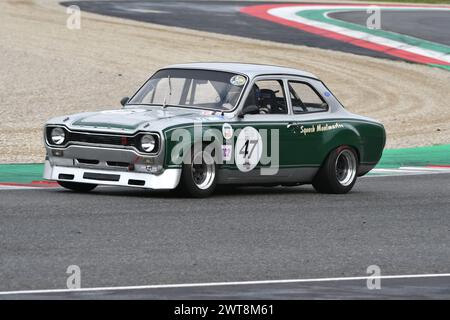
(102, 139)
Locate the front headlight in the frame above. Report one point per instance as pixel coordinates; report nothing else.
(148, 143)
(58, 136)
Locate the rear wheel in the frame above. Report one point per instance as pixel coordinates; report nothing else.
(339, 171)
(199, 176)
(76, 186)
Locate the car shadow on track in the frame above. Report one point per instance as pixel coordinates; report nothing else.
(174, 194)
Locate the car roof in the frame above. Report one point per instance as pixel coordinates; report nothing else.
(250, 69)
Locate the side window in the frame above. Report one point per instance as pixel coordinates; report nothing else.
(268, 96)
(305, 99)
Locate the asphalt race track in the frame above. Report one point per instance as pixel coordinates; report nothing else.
(243, 243)
(434, 25)
(225, 17)
(218, 17)
(123, 237)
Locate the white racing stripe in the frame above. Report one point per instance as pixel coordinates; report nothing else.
(220, 284)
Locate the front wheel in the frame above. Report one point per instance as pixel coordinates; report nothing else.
(338, 173)
(198, 177)
(76, 186)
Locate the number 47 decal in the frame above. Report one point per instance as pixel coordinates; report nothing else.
(244, 150)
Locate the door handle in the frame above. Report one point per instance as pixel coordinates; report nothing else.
(291, 125)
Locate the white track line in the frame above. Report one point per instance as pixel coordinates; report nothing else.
(406, 171)
(398, 170)
(17, 188)
(218, 284)
(290, 13)
(7, 187)
(432, 169)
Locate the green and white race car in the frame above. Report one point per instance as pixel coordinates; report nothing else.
(199, 125)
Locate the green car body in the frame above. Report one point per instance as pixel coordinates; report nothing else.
(302, 141)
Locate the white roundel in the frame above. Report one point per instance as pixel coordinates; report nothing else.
(248, 149)
(227, 131)
(238, 80)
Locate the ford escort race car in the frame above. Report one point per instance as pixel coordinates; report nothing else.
(195, 126)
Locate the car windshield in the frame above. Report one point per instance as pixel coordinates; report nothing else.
(203, 89)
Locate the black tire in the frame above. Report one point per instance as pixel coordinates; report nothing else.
(76, 186)
(338, 173)
(192, 183)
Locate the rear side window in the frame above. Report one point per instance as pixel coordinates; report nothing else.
(305, 99)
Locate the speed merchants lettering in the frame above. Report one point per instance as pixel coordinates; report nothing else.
(309, 129)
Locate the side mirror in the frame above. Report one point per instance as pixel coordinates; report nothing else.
(250, 109)
(124, 101)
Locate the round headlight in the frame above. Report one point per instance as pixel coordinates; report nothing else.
(148, 143)
(58, 135)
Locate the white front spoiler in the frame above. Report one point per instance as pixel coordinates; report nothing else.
(167, 180)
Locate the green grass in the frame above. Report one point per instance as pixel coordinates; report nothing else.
(421, 156)
(21, 173)
(392, 158)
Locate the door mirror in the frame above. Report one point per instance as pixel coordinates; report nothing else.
(249, 109)
(124, 101)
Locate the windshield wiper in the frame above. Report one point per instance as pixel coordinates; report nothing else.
(170, 92)
(172, 105)
(157, 105)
